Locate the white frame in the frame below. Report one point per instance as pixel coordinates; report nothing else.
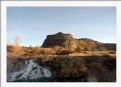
(5, 4)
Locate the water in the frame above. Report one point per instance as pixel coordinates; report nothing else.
(32, 72)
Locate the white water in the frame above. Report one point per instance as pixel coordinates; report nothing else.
(33, 71)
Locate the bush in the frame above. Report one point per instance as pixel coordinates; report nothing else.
(47, 51)
(64, 52)
(14, 49)
(112, 52)
(78, 49)
(10, 48)
(36, 50)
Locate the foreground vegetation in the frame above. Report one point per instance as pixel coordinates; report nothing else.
(66, 65)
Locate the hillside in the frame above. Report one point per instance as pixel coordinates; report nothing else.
(67, 41)
(62, 58)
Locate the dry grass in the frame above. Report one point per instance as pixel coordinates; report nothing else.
(64, 63)
(88, 68)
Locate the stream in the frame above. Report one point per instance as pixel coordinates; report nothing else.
(32, 72)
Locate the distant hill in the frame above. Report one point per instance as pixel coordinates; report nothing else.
(63, 40)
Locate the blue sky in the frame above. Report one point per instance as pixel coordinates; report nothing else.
(33, 24)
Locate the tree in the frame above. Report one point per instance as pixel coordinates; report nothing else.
(17, 45)
(17, 41)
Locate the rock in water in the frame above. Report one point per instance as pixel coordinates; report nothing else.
(33, 72)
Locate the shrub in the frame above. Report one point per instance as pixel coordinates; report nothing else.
(112, 52)
(36, 50)
(65, 52)
(47, 51)
(78, 49)
(10, 48)
(14, 49)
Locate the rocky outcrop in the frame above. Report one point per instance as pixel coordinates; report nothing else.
(67, 41)
(89, 44)
(110, 46)
(60, 39)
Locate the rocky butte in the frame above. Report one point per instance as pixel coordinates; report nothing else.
(63, 40)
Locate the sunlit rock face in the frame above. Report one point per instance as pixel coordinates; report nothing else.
(59, 39)
(67, 41)
(33, 71)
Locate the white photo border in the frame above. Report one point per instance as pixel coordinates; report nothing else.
(5, 4)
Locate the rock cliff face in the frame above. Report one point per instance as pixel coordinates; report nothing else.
(59, 39)
(67, 41)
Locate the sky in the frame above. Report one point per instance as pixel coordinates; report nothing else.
(33, 24)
